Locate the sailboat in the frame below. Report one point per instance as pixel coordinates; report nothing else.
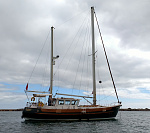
(65, 109)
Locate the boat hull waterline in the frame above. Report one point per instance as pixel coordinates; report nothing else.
(71, 114)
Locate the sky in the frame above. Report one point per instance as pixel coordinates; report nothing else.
(25, 29)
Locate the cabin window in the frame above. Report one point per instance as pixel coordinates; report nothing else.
(73, 102)
(67, 102)
(61, 102)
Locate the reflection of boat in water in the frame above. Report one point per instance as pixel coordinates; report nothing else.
(68, 108)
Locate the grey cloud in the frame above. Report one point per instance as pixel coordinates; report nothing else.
(24, 27)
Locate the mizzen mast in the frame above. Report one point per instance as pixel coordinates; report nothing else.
(52, 62)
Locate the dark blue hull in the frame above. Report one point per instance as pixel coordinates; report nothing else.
(69, 114)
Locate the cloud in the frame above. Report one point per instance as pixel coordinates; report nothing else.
(24, 27)
(11, 100)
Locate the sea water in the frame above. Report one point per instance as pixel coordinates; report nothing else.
(125, 122)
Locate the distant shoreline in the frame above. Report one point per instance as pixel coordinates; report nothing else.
(11, 109)
(128, 109)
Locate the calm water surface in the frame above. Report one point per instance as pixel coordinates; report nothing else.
(125, 122)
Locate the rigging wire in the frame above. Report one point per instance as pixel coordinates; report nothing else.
(79, 61)
(88, 62)
(71, 18)
(101, 91)
(81, 53)
(73, 40)
(46, 68)
(36, 63)
(83, 59)
(38, 57)
(78, 34)
(67, 51)
(107, 59)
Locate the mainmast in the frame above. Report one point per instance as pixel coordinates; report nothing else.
(93, 56)
(52, 61)
(51, 76)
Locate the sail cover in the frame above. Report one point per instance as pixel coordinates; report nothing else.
(41, 95)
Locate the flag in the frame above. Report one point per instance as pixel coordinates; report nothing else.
(27, 87)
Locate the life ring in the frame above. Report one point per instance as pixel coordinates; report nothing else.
(33, 99)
